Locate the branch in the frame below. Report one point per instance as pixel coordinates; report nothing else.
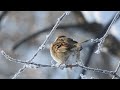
(98, 36)
(102, 39)
(88, 27)
(41, 47)
(35, 65)
(116, 70)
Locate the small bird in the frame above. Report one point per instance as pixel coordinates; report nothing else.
(63, 47)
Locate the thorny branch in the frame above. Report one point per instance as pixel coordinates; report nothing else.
(41, 47)
(35, 65)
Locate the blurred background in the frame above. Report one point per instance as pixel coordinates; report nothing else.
(22, 32)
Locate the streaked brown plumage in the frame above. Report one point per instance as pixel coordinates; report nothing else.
(62, 48)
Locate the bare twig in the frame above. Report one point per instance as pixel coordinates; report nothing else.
(89, 27)
(102, 39)
(66, 66)
(44, 43)
(98, 36)
(28, 63)
(116, 70)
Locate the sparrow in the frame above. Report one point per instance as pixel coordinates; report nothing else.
(63, 47)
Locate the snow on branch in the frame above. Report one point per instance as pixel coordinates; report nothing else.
(41, 47)
(35, 65)
(116, 70)
(30, 64)
(102, 39)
